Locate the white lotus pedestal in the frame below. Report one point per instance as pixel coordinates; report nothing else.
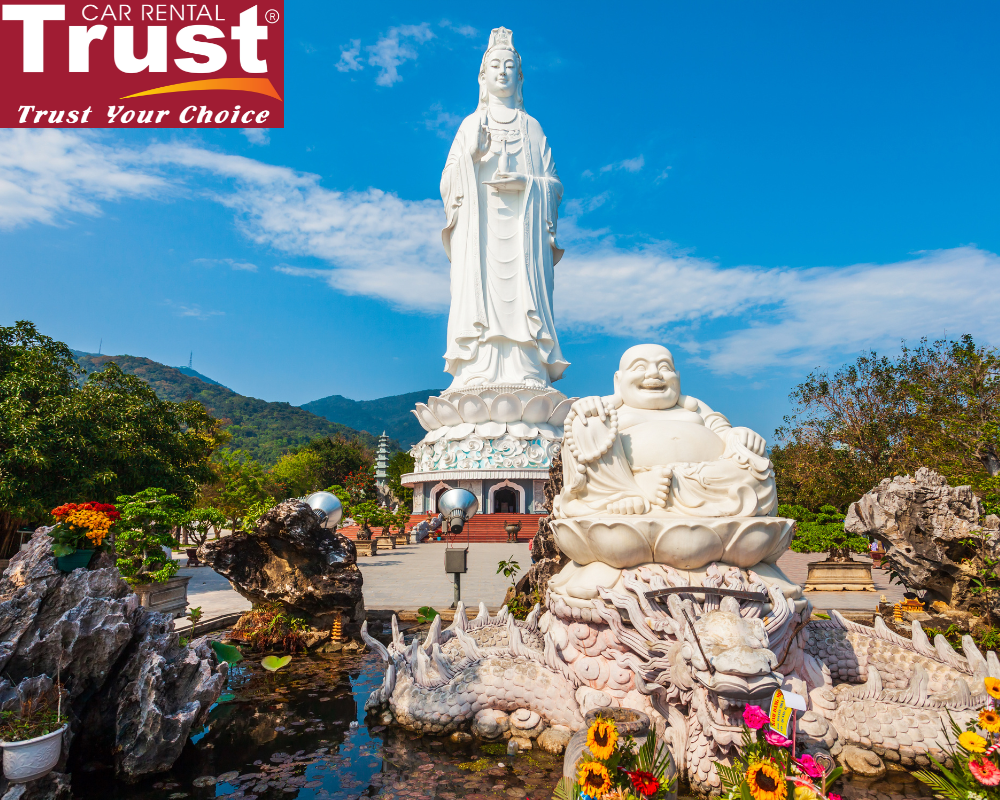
(839, 576)
(497, 441)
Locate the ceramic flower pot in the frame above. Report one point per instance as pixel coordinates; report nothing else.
(81, 558)
(33, 758)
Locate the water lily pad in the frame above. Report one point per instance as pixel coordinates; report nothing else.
(273, 663)
(226, 652)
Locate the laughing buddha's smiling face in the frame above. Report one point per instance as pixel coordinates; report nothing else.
(646, 378)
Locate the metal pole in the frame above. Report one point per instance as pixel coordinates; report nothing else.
(458, 589)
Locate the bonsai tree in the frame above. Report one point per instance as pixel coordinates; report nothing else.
(823, 532)
(203, 521)
(146, 527)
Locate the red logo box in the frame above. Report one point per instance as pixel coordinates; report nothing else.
(142, 65)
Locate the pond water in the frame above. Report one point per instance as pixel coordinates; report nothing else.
(303, 733)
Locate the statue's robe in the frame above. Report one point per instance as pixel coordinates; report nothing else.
(521, 328)
(739, 483)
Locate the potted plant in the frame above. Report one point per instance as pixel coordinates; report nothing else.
(143, 540)
(80, 532)
(31, 738)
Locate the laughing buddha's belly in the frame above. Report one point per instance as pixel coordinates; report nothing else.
(651, 444)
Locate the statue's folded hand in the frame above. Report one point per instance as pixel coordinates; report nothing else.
(590, 407)
(508, 182)
(632, 504)
(751, 440)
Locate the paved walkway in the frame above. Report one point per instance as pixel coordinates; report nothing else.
(412, 576)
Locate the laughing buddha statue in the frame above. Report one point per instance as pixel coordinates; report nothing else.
(652, 476)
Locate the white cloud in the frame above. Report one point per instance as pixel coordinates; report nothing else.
(395, 47)
(442, 122)
(780, 317)
(47, 173)
(461, 30)
(259, 136)
(244, 266)
(744, 319)
(349, 61)
(194, 311)
(629, 164)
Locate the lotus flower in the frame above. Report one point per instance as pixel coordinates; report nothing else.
(524, 414)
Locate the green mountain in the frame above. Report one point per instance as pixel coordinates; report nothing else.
(389, 414)
(193, 373)
(265, 430)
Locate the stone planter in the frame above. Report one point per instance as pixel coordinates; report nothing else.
(386, 542)
(839, 576)
(169, 597)
(400, 539)
(33, 758)
(366, 548)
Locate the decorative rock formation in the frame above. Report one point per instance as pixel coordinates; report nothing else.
(923, 523)
(129, 684)
(547, 558)
(290, 558)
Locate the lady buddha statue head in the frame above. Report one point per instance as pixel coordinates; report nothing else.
(500, 73)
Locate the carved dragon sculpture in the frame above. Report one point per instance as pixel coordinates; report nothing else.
(693, 662)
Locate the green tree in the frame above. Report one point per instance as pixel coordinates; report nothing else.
(63, 442)
(846, 433)
(954, 387)
(340, 457)
(298, 474)
(822, 532)
(202, 522)
(148, 519)
(242, 486)
(400, 463)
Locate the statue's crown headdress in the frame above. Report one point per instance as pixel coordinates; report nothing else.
(502, 38)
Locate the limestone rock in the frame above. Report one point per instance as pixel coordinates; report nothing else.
(54, 786)
(128, 683)
(547, 557)
(554, 740)
(922, 521)
(290, 558)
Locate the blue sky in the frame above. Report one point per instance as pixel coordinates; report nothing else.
(766, 188)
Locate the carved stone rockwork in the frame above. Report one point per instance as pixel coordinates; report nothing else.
(546, 557)
(129, 683)
(925, 526)
(290, 558)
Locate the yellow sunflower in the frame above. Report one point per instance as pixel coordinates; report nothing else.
(989, 720)
(766, 782)
(594, 779)
(601, 738)
(993, 687)
(972, 742)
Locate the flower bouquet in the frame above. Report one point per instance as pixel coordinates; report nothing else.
(80, 531)
(975, 766)
(764, 768)
(618, 768)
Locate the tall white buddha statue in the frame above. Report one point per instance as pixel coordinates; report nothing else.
(501, 196)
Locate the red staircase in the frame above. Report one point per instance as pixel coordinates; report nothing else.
(481, 528)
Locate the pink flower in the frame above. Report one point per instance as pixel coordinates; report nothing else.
(834, 796)
(755, 718)
(776, 739)
(809, 766)
(985, 771)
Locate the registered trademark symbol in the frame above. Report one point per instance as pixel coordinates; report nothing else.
(271, 16)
